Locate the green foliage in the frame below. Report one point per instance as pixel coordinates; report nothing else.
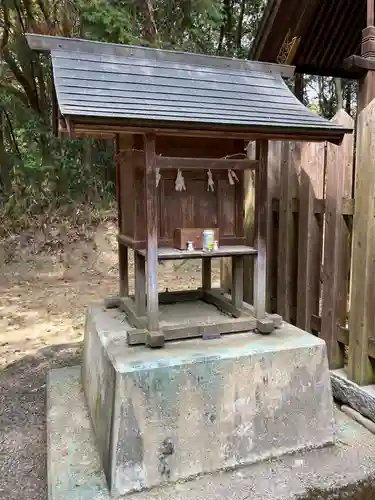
(40, 173)
(110, 21)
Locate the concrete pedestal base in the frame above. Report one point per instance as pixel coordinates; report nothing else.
(201, 405)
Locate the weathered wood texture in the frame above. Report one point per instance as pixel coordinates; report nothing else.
(122, 143)
(261, 230)
(309, 260)
(152, 234)
(273, 191)
(287, 256)
(361, 399)
(249, 197)
(309, 233)
(362, 300)
(336, 250)
(195, 207)
(271, 236)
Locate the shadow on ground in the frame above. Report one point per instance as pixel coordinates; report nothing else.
(22, 421)
(363, 491)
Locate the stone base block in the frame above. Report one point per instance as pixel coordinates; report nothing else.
(201, 405)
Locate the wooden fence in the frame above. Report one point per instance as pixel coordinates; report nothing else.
(321, 245)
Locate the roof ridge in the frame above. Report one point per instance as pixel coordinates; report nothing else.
(49, 43)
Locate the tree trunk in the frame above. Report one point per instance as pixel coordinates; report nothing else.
(150, 29)
(299, 86)
(339, 94)
(239, 26)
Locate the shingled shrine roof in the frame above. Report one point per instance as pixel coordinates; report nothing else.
(325, 33)
(152, 87)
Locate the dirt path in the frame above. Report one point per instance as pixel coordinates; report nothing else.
(42, 310)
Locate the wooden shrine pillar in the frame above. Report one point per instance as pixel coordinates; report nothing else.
(367, 83)
(123, 143)
(154, 337)
(261, 229)
(362, 297)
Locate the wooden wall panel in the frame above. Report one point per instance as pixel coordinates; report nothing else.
(310, 233)
(362, 300)
(335, 282)
(288, 231)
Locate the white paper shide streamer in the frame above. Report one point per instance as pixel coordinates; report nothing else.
(232, 177)
(180, 182)
(158, 176)
(210, 182)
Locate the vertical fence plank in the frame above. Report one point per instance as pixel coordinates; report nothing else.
(287, 255)
(310, 229)
(273, 192)
(335, 273)
(261, 230)
(249, 197)
(273, 181)
(306, 235)
(362, 300)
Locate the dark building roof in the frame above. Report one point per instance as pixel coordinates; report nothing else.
(329, 32)
(155, 87)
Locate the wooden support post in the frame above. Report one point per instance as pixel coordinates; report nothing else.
(310, 233)
(361, 317)
(237, 281)
(123, 257)
(122, 142)
(155, 338)
(249, 197)
(273, 191)
(305, 250)
(370, 12)
(287, 241)
(261, 229)
(206, 273)
(140, 284)
(335, 272)
(367, 84)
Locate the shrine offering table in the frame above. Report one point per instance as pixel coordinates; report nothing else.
(233, 318)
(223, 251)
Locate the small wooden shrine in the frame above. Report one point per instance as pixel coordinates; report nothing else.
(181, 123)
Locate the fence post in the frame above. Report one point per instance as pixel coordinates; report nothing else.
(362, 303)
(309, 233)
(339, 169)
(287, 240)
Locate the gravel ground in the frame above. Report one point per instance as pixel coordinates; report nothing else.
(43, 299)
(22, 422)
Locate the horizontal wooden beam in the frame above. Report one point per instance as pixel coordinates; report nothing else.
(219, 300)
(130, 242)
(342, 333)
(215, 329)
(164, 162)
(140, 245)
(358, 64)
(316, 323)
(165, 253)
(90, 127)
